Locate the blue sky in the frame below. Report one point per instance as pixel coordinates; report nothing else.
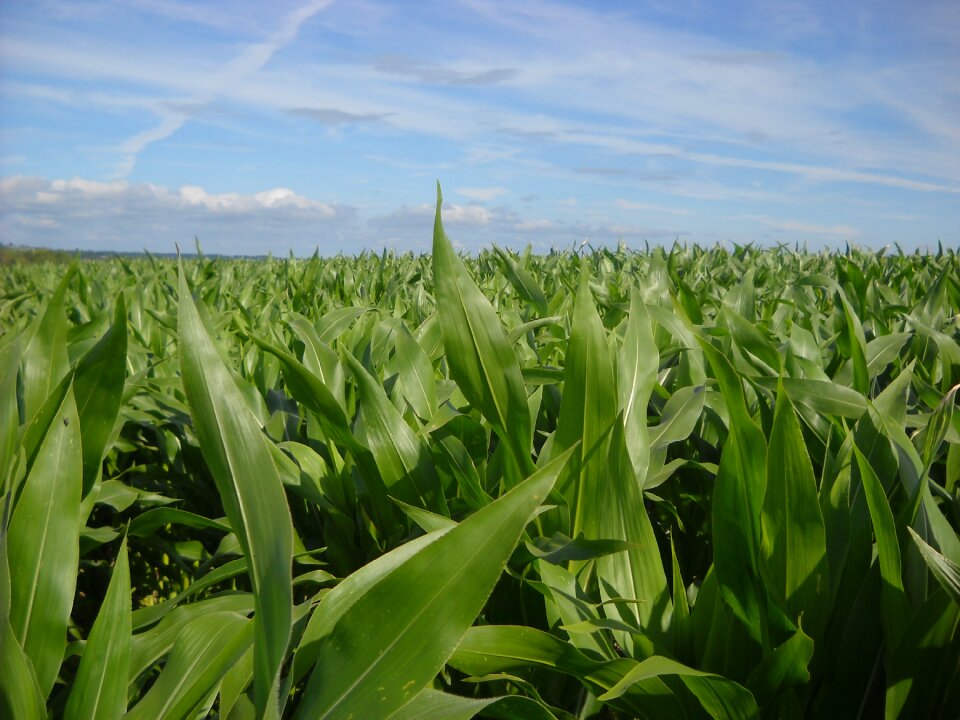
(265, 127)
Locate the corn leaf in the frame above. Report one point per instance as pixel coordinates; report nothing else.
(587, 412)
(393, 639)
(205, 649)
(44, 546)
(737, 501)
(892, 597)
(637, 364)
(794, 540)
(249, 486)
(96, 693)
(98, 389)
(20, 695)
(435, 705)
(404, 463)
(478, 353)
(44, 354)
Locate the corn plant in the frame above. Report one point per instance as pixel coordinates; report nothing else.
(684, 482)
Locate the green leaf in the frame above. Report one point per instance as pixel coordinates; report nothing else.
(205, 649)
(737, 502)
(416, 375)
(637, 364)
(638, 573)
(98, 389)
(44, 545)
(944, 570)
(478, 353)
(236, 452)
(924, 664)
(333, 323)
(822, 396)
(405, 464)
(310, 390)
(560, 549)
(526, 287)
(896, 611)
(319, 358)
(587, 412)
(680, 621)
(719, 697)
(794, 539)
(488, 649)
(9, 413)
(749, 339)
(150, 646)
(786, 667)
(397, 636)
(106, 657)
(44, 355)
(341, 598)
(680, 416)
(147, 523)
(855, 346)
(20, 695)
(435, 705)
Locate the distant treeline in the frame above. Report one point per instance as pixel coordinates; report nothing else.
(12, 254)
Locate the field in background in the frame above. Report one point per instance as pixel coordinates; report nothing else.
(684, 483)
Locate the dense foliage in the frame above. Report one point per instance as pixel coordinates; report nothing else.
(611, 484)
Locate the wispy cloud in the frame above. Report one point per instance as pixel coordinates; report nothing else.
(806, 228)
(248, 61)
(483, 194)
(432, 73)
(650, 207)
(334, 117)
(132, 147)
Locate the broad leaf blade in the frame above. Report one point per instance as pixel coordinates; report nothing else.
(96, 693)
(943, 568)
(394, 638)
(205, 649)
(20, 695)
(435, 705)
(481, 359)
(794, 540)
(404, 462)
(98, 388)
(737, 502)
(44, 358)
(235, 451)
(587, 411)
(636, 574)
(893, 600)
(637, 364)
(44, 545)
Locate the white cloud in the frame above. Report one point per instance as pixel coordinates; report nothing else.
(88, 187)
(467, 215)
(276, 199)
(482, 194)
(121, 215)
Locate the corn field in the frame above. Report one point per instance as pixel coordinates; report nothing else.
(596, 483)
